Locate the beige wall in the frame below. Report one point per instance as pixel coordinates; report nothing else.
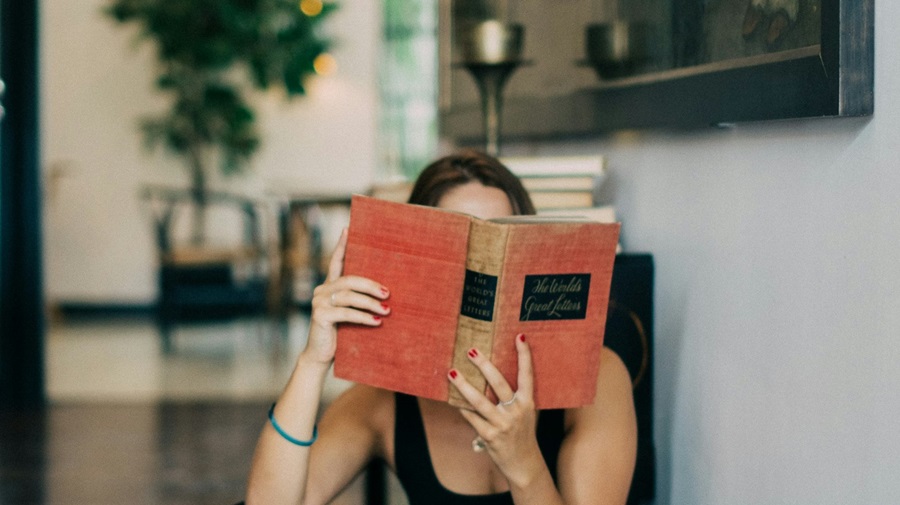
(96, 83)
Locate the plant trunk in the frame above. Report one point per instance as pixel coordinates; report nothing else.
(199, 194)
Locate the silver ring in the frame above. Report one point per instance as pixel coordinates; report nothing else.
(509, 402)
(478, 444)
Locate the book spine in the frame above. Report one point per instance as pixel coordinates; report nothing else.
(484, 263)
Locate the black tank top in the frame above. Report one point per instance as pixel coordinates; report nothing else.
(416, 472)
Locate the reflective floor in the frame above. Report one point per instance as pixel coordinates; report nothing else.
(127, 424)
(173, 453)
(120, 360)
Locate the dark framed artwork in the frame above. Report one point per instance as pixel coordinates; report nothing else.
(696, 63)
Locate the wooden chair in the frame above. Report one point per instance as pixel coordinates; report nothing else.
(200, 279)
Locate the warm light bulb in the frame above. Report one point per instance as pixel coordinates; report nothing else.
(325, 64)
(311, 7)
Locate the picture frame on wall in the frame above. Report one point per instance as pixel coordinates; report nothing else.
(704, 62)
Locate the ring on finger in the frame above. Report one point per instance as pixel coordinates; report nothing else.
(333, 303)
(478, 444)
(509, 402)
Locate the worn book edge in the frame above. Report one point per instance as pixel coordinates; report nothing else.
(502, 352)
(475, 329)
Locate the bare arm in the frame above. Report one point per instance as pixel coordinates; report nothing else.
(352, 431)
(597, 458)
(280, 469)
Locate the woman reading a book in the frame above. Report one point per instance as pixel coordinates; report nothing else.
(500, 452)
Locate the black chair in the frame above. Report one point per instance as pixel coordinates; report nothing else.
(629, 332)
(199, 280)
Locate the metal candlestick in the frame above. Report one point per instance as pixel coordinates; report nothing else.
(491, 52)
(618, 48)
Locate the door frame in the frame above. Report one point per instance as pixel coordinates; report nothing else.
(22, 310)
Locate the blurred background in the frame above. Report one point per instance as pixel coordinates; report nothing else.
(773, 244)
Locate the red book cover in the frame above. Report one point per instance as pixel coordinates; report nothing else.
(458, 282)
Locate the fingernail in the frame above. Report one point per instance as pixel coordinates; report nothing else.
(376, 317)
(384, 291)
(473, 352)
(521, 337)
(453, 374)
(385, 306)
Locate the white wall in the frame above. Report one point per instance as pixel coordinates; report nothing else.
(778, 299)
(97, 83)
(778, 285)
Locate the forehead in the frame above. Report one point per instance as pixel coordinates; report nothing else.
(478, 200)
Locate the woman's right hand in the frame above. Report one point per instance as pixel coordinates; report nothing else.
(342, 299)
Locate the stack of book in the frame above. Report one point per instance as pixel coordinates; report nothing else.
(392, 191)
(565, 185)
(557, 185)
(560, 182)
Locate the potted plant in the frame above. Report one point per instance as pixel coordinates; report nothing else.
(209, 52)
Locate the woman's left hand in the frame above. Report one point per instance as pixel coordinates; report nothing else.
(506, 429)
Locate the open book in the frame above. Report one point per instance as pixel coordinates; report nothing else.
(459, 282)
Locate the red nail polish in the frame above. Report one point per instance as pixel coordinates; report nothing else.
(473, 352)
(453, 374)
(384, 291)
(377, 318)
(385, 306)
(521, 337)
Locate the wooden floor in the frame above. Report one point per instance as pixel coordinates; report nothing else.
(129, 425)
(92, 454)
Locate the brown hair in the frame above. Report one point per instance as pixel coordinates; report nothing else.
(467, 166)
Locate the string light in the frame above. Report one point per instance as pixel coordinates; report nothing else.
(311, 8)
(325, 64)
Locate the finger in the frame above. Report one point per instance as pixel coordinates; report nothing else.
(526, 369)
(336, 265)
(349, 284)
(493, 376)
(353, 299)
(349, 315)
(476, 398)
(484, 428)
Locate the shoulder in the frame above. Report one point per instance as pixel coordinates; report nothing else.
(613, 376)
(362, 404)
(351, 433)
(364, 410)
(601, 439)
(613, 399)
(360, 394)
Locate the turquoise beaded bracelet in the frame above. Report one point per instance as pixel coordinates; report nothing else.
(284, 434)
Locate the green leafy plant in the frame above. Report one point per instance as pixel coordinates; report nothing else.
(209, 51)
